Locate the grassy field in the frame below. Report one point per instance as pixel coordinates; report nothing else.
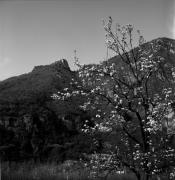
(50, 171)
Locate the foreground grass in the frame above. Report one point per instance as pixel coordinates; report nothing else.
(29, 171)
(50, 171)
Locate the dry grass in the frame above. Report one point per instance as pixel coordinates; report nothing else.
(49, 171)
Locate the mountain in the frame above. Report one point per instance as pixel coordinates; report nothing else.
(31, 120)
(164, 47)
(48, 78)
(37, 125)
(160, 49)
(57, 76)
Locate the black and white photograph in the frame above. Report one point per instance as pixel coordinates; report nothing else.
(87, 89)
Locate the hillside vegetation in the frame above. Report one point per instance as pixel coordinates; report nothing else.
(34, 126)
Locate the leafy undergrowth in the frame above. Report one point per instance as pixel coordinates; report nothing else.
(50, 171)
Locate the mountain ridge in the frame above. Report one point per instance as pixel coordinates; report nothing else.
(41, 78)
(63, 63)
(57, 75)
(26, 108)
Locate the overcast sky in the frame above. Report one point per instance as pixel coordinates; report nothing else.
(39, 32)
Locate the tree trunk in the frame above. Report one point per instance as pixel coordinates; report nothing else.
(0, 167)
(138, 175)
(145, 176)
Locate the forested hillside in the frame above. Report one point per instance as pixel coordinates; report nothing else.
(33, 125)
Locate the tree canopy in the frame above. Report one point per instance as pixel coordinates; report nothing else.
(132, 97)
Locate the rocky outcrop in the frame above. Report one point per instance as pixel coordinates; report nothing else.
(61, 65)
